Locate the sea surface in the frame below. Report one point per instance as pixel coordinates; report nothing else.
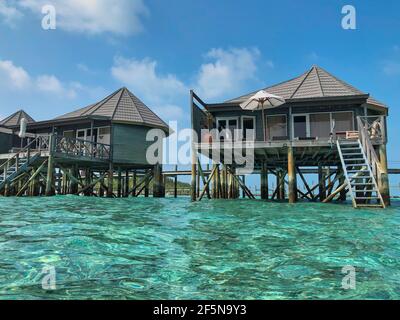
(138, 248)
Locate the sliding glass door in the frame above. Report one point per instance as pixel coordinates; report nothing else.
(301, 126)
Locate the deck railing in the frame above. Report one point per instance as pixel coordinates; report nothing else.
(371, 128)
(74, 147)
(81, 148)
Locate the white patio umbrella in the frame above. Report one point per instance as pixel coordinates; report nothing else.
(260, 101)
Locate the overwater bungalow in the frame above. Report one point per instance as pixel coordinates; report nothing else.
(325, 126)
(75, 152)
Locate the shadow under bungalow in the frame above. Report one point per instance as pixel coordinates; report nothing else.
(82, 150)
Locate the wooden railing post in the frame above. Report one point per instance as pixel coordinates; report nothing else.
(50, 168)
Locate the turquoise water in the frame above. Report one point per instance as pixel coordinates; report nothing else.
(141, 248)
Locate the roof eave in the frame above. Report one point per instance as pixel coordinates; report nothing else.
(165, 128)
(53, 122)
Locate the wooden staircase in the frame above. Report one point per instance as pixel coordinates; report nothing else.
(359, 175)
(16, 165)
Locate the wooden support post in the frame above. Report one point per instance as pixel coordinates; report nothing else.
(50, 171)
(218, 180)
(193, 188)
(119, 183)
(383, 180)
(243, 191)
(281, 190)
(110, 181)
(292, 176)
(342, 180)
(101, 188)
(176, 183)
(146, 187)
(126, 189)
(157, 182)
(134, 184)
(264, 181)
(322, 180)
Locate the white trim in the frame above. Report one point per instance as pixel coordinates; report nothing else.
(217, 119)
(308, 126)
(277, 115)
(307, 115)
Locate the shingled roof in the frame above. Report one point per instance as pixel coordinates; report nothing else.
(120, 106)
(15, 118)
(313, 84)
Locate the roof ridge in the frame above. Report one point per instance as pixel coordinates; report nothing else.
(117, 104)
(151, 111)
(319, 80)
(301, 83)
(99, 104)
(130, 94)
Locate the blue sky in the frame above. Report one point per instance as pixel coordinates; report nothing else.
(161, 49)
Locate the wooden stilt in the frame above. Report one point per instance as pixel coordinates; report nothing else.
(119, 183)
(322, 182)
(193, 189)
(383, 179)
(264, 181)
(176, 183)
(110, 181)
(134, 183)
(50, 177)
(157, 182)
(292, 176)
(146, 187)
(126, 185)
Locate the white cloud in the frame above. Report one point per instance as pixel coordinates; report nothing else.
(12, 76)
(51, 84)
(16, 78)
(227, 72)
(142, 77)
(162, 92)
(9, 13)
(123, 17)
(169, 112)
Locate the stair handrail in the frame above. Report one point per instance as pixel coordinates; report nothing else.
(27, 149)
(369, 150)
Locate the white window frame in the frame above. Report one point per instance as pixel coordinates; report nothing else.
(254, 125)
(80, 130)
(276, 115)
(308, 128)
(98, 131)
(218, 119)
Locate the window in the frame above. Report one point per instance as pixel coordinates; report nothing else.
(227, 126)
(80, 134)
(249, 128)
(320, 125)
(69, 134)
(276, 127)
(343, 121)
(301, 126)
